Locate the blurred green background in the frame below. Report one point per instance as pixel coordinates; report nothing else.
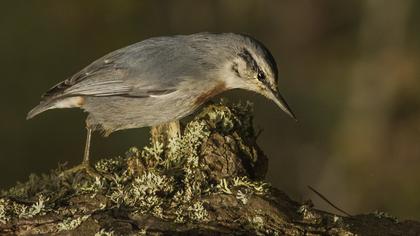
(349, 69)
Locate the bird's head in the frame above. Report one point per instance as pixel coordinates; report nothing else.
(254, 68)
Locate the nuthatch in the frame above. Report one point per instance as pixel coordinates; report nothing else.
(164, 79)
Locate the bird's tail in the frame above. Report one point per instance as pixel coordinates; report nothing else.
(43, 106)
(51, 103)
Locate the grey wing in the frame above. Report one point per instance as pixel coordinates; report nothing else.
(109, 76)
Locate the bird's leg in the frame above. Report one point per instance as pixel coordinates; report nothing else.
(85, 165)
(87, 147)
(165, 132)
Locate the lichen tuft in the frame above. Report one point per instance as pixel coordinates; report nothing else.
(169, 182)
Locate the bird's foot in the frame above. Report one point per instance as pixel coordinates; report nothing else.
(83, 167)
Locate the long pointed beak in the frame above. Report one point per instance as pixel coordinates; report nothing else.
(281, 102)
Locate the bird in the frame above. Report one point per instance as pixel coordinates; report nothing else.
(163, 79)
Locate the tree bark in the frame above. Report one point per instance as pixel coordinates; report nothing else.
(206, 182)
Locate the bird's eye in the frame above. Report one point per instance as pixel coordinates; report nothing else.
(260, 75)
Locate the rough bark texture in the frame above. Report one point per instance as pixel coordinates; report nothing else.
(207, 182)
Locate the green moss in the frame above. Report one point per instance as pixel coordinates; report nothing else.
(168, 182)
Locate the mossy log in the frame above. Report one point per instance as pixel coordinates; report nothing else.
(209, 181)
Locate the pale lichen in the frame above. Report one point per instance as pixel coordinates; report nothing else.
(385, 215)
(309, 214)
(259, 226)
(10, 209)
(257, 187)
(170, 179)
(111, 165)
(104, 232)
(4, 218)
(167, 182)
(242, 187)
(197, 212)
(71, 223)
(223, 187)
(146, 192)
(152, 155)
(35, 209)
(243, 197)
(92, 187)
(257, 222)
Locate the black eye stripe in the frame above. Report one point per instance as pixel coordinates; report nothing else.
(246, 55)
(250, 61)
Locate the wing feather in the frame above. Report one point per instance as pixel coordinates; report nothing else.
(108, 76)
(103, 77)
(134, 71)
